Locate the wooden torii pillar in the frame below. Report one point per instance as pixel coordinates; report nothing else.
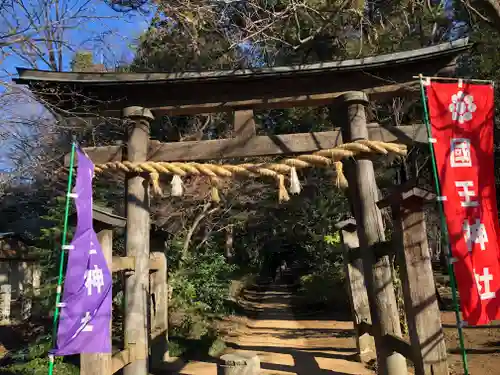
(135, 355)
(137, 243)
(428, 348)
(363, 194)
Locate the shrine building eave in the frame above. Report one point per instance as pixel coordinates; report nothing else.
(380, 76)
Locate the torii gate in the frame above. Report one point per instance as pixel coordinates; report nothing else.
(346, 86)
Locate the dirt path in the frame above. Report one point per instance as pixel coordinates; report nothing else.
(286, 342)
(482, 345)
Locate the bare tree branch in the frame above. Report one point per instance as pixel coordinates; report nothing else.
(204, 213)
(487, 10)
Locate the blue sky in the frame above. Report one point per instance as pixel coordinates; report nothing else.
(118, 31)
(122, 30)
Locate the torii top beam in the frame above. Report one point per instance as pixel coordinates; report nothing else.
(229, 90)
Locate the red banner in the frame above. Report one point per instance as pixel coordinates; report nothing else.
(462, 127)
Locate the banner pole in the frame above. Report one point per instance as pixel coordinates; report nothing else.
(444, 231)
(62, 256)
(464, 80)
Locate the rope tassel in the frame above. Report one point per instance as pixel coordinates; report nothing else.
(177, 188)
(295, 187)
(282, 193)
(341, 181)
(214, 191)
(155, 182)
(215, 194)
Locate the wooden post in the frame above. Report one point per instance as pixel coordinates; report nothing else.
(37, 275)
(364, 195)
(100, 363)
(244, 124)
(26, 289)
(159, 312)
(356, 289)
(229, 250)
(421, 305)
(137, 245)
(5, 299)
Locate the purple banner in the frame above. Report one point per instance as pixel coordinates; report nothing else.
(84, 323)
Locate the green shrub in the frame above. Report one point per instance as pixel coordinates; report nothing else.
(202, 284)
(208, 344)
(200, 292)
(33, 360)
(39, 366)
(176, 348)
(324, 284)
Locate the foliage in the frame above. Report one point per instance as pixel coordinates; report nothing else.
(39, 347)
(324, 277)
(485, 64)
(325, 285)
(43, 34)
(200, 292)
(207, 344)
(38, 366)
(33, 360)
(333, 240)
(202, 284)
(190, 35)
(82, 61)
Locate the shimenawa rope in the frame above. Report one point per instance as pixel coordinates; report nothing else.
(324, 158)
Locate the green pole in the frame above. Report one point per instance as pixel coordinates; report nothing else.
(62, 256)
(444, 231)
